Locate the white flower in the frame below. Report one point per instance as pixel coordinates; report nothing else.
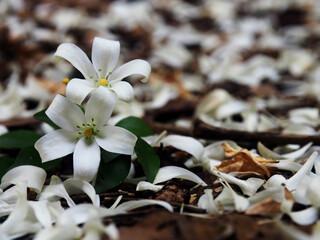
(100, 72)
(83, 133)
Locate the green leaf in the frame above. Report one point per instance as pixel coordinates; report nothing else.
(108, 156)
(112, 173)
(5, 165)
(42, 116)
(148, 159)
(18, 139)
(136, 125)
(30, 156)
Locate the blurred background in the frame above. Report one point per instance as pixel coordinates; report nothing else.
(268, 49)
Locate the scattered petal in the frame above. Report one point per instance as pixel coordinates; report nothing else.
(169, 172)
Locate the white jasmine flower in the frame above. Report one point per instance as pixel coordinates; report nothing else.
(100, 72)
(84, 133)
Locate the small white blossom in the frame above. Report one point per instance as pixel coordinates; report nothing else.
(100, 72)
(84, 133)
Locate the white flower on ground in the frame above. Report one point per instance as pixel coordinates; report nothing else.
(84, 133)
(105, 55)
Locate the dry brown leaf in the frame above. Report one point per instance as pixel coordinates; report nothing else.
(267, 206)
(242, 161)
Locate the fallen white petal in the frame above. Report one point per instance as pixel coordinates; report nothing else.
(130, 205)
(275, 181)
(305, 217)
(248, 187)
(241, 203)
(293, 182)
(184, 143)
(169, 172)
(74, 186)
(56, 190)
(207, 202)
(298, 153)
(143, 185)
(34, 177)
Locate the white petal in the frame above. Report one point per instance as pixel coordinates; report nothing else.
(124, 91)
(100, 106)
(248, 187)
(56, 190)
(136, 66)
(298, 153)
(305, 217)
(41, 211)
(78, 89)
(86, 159)
(16, 225)
(295, 180)
(65, 113)
(112, 231)
(288, 165)
(207, 202)
(130, 205)
(275, 181)
(241, 203)
(105, 55)
(276, 193)
(80, 213)
(169, 172)
(143, 185)
(116, 140)
(267, 153)
(56, 144)
(312, 192)
(65, 231)
(74, 186)
(77, 58)
(34, 177)
(187, 144)
(230, 108)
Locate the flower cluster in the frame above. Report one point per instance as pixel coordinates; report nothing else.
(84, 132)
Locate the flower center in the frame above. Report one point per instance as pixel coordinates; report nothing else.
(65, 81)
(103, 82)
(88, 132)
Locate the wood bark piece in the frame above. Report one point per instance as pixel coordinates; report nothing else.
(202, 130)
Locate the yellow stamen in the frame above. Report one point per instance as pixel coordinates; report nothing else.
(88, 132)
(65, 80)
(103, 82)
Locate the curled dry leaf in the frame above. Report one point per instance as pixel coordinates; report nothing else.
(242, 161)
